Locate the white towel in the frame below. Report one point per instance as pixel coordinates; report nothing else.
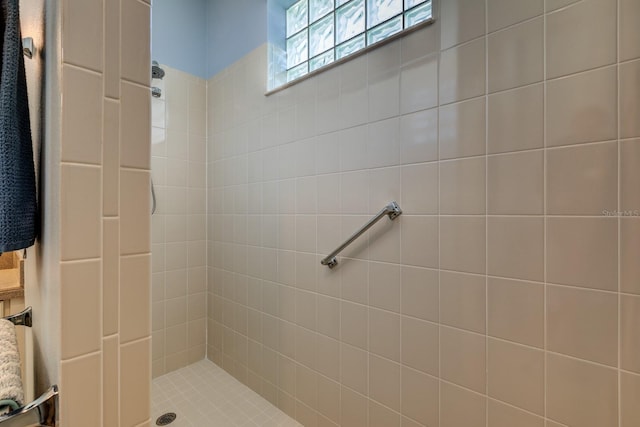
(10, 374)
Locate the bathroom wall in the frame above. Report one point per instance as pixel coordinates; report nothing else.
(178, 165)
(507, 293)
(92, 266)
(179, 35)
(225, 44)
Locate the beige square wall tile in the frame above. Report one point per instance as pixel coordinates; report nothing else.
(583, 323)
(135, 285)
(502, 13)
(419, 136)
(111, 381)
(629, 332)
(463, 301)
(328, 362)
(355, 279)
(516, 311)
(462, 129)
(111, 158)
(420, 189)
(583, 252)
(462, 72)
(381, 416)
(629, 31)
(420, 293)
(629, 103)
(629, 397)
(420, 345)
(354, 324)
(384, 186)
(629, 255)
(384, 382)
(461, 21)
(516, 375)
(385, 286)
(306, 385)
(516, 56)
(462, 244)
(135, 53)
(463, 186)
(83, 384)
(572, 47)
(582, 180)
(384, 333)
(463, 358)
(417, 44)
(515, 183)
(460, 407)
(135, 389)
(516, 247)
(110, 275)
(582, 107)
(630, 176)
(86, 18)
(135, 116)
(419, 240)
(80, 222)
(355, 366)
(81, 116)
(135, 221)
(353, 411)
(419, 85)
(329, 316)
(420, 396)
(501, 415)
(328, 398)
(112, 49)
(80, 299)
(581, 393)
(516, 119)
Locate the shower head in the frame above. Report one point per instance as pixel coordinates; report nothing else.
(156, 71)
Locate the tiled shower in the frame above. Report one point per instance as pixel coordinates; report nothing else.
(507, 293)
(178, 226)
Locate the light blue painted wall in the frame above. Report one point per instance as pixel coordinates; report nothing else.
(234, 28)
(203, 37)
(179, 34)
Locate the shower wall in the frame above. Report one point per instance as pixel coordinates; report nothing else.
(178, 164)
(507, 293)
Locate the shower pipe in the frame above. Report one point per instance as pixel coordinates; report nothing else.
(392, 210)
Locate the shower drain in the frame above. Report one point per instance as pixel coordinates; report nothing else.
(166, 419)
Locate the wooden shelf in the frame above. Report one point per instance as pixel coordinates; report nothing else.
(11, 276)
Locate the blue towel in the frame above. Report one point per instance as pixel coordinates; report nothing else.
(18, 209)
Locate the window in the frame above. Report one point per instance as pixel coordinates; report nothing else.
(319, 32)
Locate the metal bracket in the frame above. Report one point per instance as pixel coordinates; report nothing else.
(24, 318)
(28, 48)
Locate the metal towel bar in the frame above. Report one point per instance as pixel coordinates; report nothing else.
(41, 412)
(392, 210)
(24, 318)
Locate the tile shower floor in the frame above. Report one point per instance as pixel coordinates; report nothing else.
(204, 395)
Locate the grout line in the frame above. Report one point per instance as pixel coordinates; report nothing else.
(544, 208)
(619, 206)
(486, 217)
